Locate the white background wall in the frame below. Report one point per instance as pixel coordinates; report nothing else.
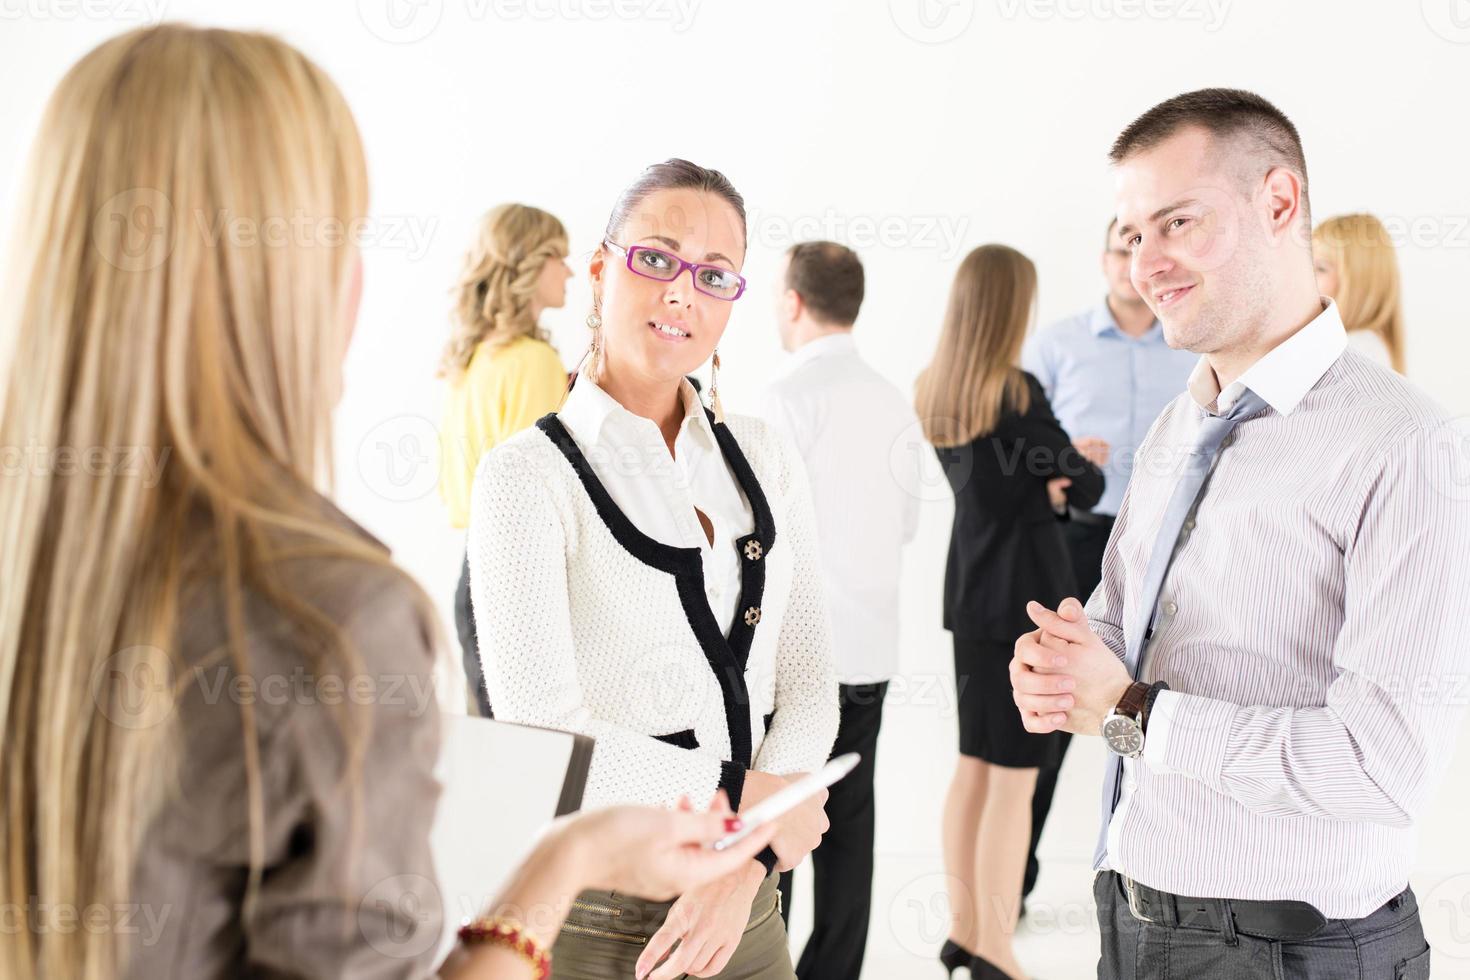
(911, 129)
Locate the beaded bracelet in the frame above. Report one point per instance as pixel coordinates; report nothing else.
(508, 932)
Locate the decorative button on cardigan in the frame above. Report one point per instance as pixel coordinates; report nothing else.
(588, 625)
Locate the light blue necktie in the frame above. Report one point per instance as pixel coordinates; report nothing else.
(1197, 467)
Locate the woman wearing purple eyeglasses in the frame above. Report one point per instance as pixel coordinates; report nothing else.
(644, 572)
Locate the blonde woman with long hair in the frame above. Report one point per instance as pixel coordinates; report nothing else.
(185, 791)
(502, 371)
(1013, 471)
(1358, 270)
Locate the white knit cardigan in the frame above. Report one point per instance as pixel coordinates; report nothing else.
(585, 624)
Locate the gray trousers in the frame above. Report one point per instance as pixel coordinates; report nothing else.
(1386, 945)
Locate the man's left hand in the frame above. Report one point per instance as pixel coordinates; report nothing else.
(1063, 676)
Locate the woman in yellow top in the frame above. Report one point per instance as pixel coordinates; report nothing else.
(1358, 270)
(503, 374)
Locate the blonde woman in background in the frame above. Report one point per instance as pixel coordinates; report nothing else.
(179, 797)
(502, 371)
(1357, 269)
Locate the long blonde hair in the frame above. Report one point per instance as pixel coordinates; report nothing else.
(498, 282)
(159, 308)
(1359, 247)
(974, 378)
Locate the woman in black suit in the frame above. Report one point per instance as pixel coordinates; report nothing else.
(1014, 472)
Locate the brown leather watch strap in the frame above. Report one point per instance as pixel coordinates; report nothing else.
(1148, 703)
(1131, 704)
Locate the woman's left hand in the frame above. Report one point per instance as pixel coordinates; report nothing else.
(658, 854)
(707, 923)
(1056, 491)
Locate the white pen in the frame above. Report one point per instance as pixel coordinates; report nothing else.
(786, 799)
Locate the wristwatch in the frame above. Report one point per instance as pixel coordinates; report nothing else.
(1124, 727)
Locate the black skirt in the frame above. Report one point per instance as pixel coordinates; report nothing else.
(464, 624)
(990, 722)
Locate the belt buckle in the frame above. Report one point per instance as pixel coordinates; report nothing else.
(1132, 894)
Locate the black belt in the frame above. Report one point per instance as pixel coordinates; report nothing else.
(1281, 920)
(1089, 519)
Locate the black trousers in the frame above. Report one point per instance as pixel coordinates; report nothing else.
(464, 624)
(1387, 944)
(1086, 544)
(842, 883)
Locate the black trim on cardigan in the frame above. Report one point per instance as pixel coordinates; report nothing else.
(753, 571)
(680, 740)
(726, 655)
(732, 781)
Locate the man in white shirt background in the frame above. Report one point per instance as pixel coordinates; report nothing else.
(845, 419)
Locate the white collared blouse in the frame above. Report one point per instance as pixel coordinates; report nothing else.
(601, 608)
(659, 492)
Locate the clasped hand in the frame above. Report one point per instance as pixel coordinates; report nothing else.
(1063, 677)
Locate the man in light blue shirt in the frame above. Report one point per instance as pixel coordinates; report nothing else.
(1108, 373)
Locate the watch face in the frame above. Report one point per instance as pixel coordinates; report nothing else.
(1123, 736)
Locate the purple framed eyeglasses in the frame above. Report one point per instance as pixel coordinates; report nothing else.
(655, 263)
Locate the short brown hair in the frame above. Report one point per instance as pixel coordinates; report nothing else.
(829, 279)
(1225, 113)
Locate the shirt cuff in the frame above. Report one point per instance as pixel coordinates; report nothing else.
(1188, 735)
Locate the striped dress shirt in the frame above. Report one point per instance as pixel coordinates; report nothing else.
(1314, 629)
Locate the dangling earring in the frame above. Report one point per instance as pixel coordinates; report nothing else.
(594, 351)
(591, 362)
(714, 388)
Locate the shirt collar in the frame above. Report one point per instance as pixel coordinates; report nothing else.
(1286, 373)
(833, 343)
(1102, 320)
(589, 409)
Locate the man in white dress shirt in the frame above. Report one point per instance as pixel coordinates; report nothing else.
(1273, 655)
(862, 445)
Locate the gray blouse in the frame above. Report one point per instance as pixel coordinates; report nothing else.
(339, 897)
